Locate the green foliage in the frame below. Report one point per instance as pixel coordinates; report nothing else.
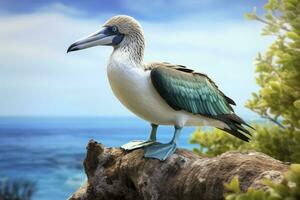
(272, 140)
(215, 142)
(16, 189)
(278, 100)
(288, 189)
(278, 70)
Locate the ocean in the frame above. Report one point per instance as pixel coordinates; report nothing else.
(50, 151)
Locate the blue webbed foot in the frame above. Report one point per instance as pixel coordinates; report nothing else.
(137, 144)
(160, 151)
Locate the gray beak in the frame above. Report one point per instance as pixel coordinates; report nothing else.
(103, 37)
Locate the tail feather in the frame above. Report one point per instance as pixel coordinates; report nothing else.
(235, 126)
(241, 128)
(239, 120)
(237, 134)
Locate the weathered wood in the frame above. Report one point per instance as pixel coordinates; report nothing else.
(114, 174)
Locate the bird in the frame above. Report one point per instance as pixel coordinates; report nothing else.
(160, 92)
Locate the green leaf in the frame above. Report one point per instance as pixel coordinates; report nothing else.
(250, 16)
(293, 35)
(234, 185)
(297, 104)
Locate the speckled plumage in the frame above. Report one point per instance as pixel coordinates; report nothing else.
(134, 32)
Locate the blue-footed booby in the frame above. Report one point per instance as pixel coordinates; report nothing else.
(159, 92)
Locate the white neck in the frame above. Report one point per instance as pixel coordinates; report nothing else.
(127, 54)
(131, 48)
(120, 58)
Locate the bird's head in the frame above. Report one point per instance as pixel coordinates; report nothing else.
(119, 31)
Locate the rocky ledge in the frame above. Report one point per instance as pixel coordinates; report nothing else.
(114, 174)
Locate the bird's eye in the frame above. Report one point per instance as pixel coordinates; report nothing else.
(114, 29)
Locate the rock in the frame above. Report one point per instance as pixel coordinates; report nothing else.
(114, 174)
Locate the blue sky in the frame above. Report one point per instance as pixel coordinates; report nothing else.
(38, 78)
(142, 9)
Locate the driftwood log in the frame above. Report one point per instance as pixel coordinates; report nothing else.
(114, 174)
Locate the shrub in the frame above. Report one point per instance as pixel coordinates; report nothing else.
(271, 140)
(278, 100)
(288, 189)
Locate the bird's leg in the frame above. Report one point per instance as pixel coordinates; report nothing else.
(163, 151)
(153, 132)
(136, 144)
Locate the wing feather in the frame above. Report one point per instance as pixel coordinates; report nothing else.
(184, 89)
(193, 93)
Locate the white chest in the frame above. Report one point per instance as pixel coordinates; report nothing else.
(132, 86)
(128, 84)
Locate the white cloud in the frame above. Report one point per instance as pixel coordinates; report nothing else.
(60, 8)
(166, 9)
(39, 78)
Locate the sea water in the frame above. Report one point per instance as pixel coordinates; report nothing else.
(50, 151)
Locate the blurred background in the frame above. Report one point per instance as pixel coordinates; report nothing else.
(52, 103)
